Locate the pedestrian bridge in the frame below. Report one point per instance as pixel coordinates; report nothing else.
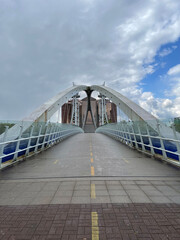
(120, 182)
(142, 131)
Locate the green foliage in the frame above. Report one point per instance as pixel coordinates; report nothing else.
(177, 124)
(177, 127)
(3, 126)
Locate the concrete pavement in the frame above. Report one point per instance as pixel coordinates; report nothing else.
(90, 187)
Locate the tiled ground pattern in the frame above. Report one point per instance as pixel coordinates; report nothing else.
(73, 221)
(79, 192)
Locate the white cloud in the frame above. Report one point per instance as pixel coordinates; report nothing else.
(165, 52)
(47, 45)
(174, 70)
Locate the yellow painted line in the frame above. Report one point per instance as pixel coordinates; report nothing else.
(55, 161)
(93, 191)
(92, 160)
(95, 228)
(91, 154)
(125, 160)
(92, 171)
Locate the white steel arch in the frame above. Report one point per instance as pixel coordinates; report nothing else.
(131, 109)
(44, 112)
(134, 111)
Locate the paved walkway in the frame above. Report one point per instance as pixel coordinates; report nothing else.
(90, 187)
(85, 221)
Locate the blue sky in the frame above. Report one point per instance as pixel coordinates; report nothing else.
(132, 45)
(157, 82)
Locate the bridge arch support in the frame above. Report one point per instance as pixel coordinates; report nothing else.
(134, 111)
(131, 109)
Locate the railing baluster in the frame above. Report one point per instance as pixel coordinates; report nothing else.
(55, 132)
(136, 145)
(119, 132)
(45, 134)
(150, 140)
(161, 142)
(38, 137)
(3, 146)
(29, 141)
(18, 143)
(177, 142)
(142, 142)
(124, 134)
(50, 134)
(129, 133)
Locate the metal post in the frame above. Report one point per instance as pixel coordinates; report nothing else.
(105, 113)
(29, 141)
(121, 132)
(135, 139)
(49, 135)
(58, 119)
(38, 137)
(77, 113)
(150, 140)
(102, 110)
(118, 132)
(142, 143)
(76, 109)
(18, 143)
(72, 114)
(129, 133)
(100, 113)
(176, 138)
(125, 133)
(161, 141)
(53, 133)
(2, 146)
(45, 133)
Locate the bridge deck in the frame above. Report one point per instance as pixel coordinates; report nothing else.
(86, 187)
(72, 158)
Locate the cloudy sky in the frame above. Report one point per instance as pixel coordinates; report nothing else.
(132, 45)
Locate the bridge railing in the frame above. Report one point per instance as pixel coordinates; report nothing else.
(38, 137)
(140, 136)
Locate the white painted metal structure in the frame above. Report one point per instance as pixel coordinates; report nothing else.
(146, 142)
(75, 111)
(45, 111)
(40, 137)
(133, 111)
(102, 110)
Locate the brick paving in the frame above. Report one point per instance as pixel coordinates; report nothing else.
(130, 221)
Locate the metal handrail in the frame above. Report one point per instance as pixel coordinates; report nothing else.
(49, 139)
(128, 136)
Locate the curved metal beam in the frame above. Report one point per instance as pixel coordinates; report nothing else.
(44, 112)
(131, 109)
(134, 111)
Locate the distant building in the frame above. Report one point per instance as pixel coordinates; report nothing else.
(111, 111)
(66, 112)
